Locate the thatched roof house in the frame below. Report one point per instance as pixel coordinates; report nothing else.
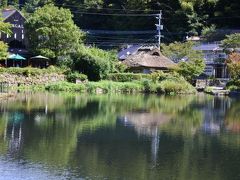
(148, 60)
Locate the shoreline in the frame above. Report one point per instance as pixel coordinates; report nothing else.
(105, 87)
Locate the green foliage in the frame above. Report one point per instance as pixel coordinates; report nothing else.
(5, 27)
(194, 64)
(231, 41)
(3, 3)
(29, 71)
(209, 33)
(160, 76)
(168, 83)
(177, 51)
(233, 84)
(65, 86)
(31, 5)
(191, 69)
(3, 50)
(185, 17)
(127, 77)
(52, 32)
(93, 62)
(110, 86)
(176, 85)
(72, 77)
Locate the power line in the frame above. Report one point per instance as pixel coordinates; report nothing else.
(137, 32)
(115, 14)
(111, 9)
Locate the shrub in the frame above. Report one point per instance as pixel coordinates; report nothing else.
(160, 76)
(109, 86)
(65, 86)
(233, 85)
(176, 87)
(127, 77)
(72, 77)
(191, 69)
(29, 71)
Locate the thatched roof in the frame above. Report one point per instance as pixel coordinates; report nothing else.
(146, 122)
(150, 59)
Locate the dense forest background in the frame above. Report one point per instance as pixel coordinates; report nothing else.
(181, 18)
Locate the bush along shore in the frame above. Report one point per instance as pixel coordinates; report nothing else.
(54, 79)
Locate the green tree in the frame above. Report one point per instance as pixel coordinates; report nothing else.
(191, 69)
(3, 3)
(15, 3)
(177, 51)
(31, 5)
(231, 41)
(3, 50)
(4, 28)
(93, 62)
(191, 63)
(52, 32)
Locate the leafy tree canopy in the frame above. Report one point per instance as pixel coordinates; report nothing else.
(52, 32)
(3, 50)
(31, 5)
(191, 62)
(94, 62)
(231, 41)
(3, 3)
(5, 27)
(178, 51)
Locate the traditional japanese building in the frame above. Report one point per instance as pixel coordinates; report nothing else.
(147, 60)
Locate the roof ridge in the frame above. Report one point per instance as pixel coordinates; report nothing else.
(12, 11)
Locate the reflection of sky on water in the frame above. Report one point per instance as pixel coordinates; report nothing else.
(19, 170)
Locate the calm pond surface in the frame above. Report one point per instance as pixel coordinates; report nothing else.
(64, 136)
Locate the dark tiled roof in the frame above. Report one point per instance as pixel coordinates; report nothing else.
(123, 54)
(208, 47)
(7, 12)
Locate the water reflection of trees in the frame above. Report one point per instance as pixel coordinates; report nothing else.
(73, 130)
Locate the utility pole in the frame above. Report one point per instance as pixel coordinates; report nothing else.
(159, 27)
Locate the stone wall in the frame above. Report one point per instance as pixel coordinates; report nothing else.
(16, 80)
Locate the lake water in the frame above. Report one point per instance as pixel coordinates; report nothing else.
(64, 136)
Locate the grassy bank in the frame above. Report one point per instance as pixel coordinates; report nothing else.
(30, 71)
(164, 87)
(34, 79)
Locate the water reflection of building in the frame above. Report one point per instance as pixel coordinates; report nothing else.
(214, 114)
(147, 124)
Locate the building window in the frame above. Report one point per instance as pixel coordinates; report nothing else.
(22, 36)
(15, 35)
